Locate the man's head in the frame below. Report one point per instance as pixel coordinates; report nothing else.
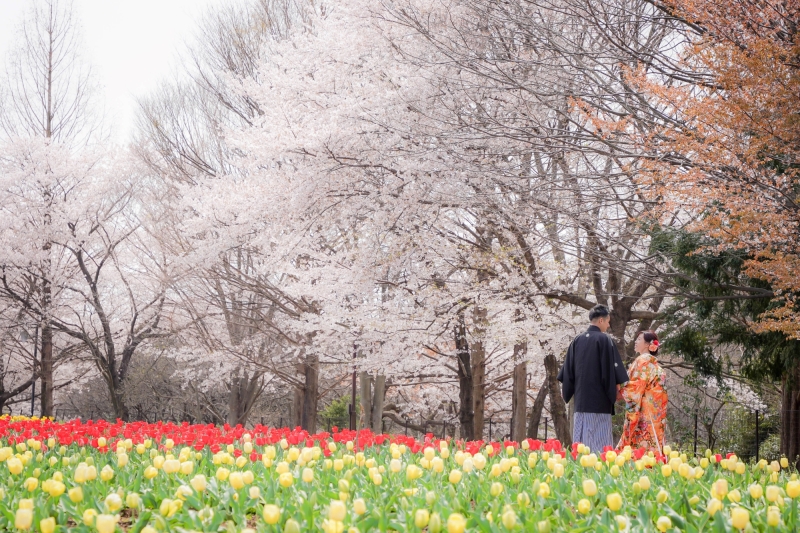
(600, 316)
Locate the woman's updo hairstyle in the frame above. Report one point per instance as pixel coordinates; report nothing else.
(651, 338)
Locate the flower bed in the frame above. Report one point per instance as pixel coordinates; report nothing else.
(147, 478)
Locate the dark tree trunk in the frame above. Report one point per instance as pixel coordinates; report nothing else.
(558, 409)
(310, 394)
(365, 399)
(377, 404)
(245, 390)
(790, 414)
(536, 410)
(297, 407)
(47, 358)
(519, 406)
(464, 380)
(478, 360)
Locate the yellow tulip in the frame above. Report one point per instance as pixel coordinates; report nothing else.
(584, 506)
(663, 523)
(171, 466)
(198, 483)
(735, 496)
(756, 491)
(222, 473)
(359, 506)
(713, 506)
(286, 480)
(14, 466)
(773, 516)
(544, 490)
(740, 517)
(614, 501)
(479, 461)
(496, 489)
(589, 487)
(88, 517)
(666, 470)
(291, 526)
(793, 489)
(773, 493)
(133, 500)
(455, 476)
(456, 523)
(23, 519)
(107, 473)
(272, 514)
(720, 488)
(784, 462)
(48, 525)
(337, 511)
(662, 496)
(248, 477)
(308, 475)
(236, 480)
(421, 518)
(75, 494)
(113, 502)
(644, 482)
(183, 492)
(31, 484)
(106, 523)
(430, 498)
(509, 518)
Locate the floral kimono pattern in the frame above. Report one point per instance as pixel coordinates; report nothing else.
(645, 405)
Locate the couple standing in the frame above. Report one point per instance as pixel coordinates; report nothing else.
(593, 373)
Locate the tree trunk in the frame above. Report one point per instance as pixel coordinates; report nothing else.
(310, 394)
(557, 407)
(118, 403)
(377, 404)
(365, 388)
(47, 365)
(519, 403)
(245, 390)
(536, 411)
(465, 412)
(234, 398)
(790, 414)
(297, 407)
(478, 360)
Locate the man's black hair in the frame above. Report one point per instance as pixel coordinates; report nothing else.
(598, 311)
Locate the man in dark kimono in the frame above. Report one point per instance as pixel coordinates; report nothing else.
(592, 372)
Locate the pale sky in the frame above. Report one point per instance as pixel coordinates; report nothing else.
(132, 45)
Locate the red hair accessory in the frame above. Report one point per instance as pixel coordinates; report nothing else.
(654, 343)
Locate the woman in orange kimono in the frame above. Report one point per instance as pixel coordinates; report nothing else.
(645, 398)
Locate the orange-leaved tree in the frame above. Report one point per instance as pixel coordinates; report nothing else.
(725, 149)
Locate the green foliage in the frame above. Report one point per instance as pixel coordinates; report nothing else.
(736, 432)
(337, 413)
(716, 307)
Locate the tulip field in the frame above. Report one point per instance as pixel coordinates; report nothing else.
(165, 477)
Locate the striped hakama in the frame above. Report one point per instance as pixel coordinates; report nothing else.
(593, 430)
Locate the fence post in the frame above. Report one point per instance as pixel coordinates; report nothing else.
(695, 432)
(757, 446)
(545, 429)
